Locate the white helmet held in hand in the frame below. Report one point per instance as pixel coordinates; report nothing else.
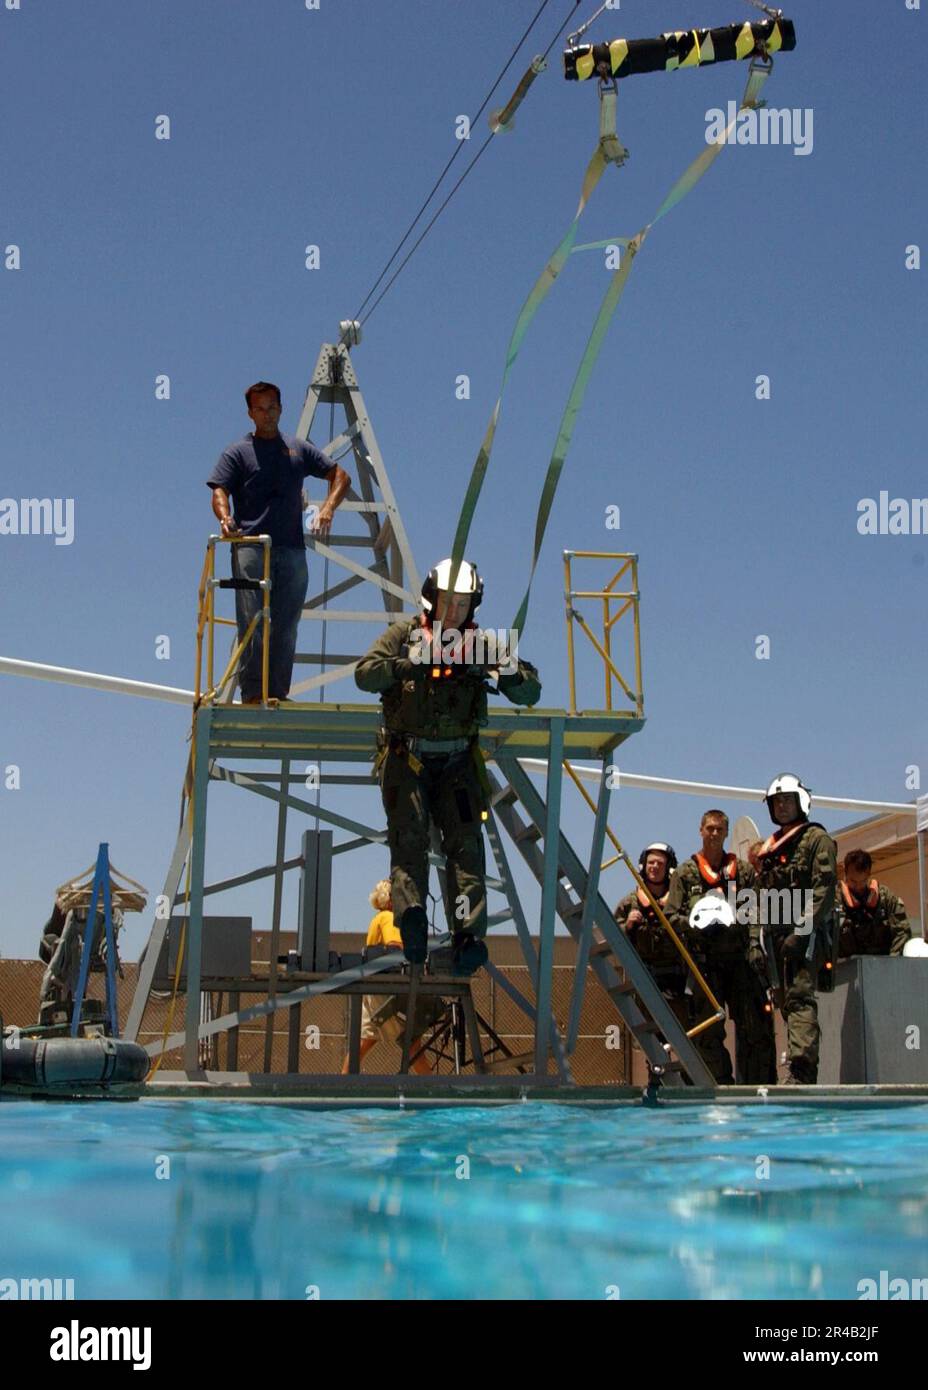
(713, 912)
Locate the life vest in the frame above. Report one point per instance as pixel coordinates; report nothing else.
(713, 878)
(436, 707)
(853, 904)
(775, 842)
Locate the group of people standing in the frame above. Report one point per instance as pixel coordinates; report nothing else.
(764, 934)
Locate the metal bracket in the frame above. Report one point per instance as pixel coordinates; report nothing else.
(609, 143)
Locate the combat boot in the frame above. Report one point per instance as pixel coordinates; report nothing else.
(414, 930)
(469, 953)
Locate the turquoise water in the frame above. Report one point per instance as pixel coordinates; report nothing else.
(560, 1202)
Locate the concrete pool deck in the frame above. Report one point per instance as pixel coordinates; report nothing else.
(432, 1092)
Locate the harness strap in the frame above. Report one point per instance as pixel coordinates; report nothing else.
(757, 76)
(597, 166)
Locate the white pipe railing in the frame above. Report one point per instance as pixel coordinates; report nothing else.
(92, 680)
(118, 685)
(673, 784)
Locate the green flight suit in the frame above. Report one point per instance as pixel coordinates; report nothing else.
(880, 930)
(805, 862)
(658, 952)
(422, 786)
(723, 958)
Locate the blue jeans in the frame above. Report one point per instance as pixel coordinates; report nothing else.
(289, 578)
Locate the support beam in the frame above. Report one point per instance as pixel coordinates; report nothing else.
(589, 905)
(194, 931)
(148, 961)
(278, 895)
(548, 897)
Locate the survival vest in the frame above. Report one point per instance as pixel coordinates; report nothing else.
(733, 941)
(437, 707)
(865, 930)
(776, 869)
(649, 939)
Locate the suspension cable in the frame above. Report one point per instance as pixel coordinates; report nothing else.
(460, 144)
(451, 160)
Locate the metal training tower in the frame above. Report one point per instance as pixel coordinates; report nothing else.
(522, 817)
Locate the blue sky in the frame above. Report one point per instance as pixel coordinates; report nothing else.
(290, 127)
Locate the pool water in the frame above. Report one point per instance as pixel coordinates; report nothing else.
(164, 1200)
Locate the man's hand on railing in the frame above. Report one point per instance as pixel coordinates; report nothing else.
(229, 526)
(322, 524)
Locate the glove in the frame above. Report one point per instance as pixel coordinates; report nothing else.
(499, 656)
(405, 670)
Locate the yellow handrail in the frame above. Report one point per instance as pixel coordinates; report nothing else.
(609, 595)
(693, 967)
(207, 621)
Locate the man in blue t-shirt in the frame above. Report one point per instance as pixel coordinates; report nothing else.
(263, 476)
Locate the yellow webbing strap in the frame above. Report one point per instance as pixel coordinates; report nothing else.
(756, 79)
(594, 171)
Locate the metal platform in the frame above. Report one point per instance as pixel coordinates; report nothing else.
(347, 732)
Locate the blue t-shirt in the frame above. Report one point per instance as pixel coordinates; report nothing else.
(264, 478)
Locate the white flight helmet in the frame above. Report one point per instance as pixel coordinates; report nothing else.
(468, 581)
(788, 782)
(712, 913)
(918, 946)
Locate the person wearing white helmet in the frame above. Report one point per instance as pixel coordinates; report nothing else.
(797, 875)
(431, 770)
(727, 952)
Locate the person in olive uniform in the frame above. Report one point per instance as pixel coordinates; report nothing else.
(431, 673)
(871, 920)
(636, 916)
(797, 877)
(728, 957)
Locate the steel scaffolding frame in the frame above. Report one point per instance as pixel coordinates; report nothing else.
(345, 733)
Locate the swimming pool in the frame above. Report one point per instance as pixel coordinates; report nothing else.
(202, 1199)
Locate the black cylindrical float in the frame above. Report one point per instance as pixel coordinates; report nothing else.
(47, 1062)
(684, 48)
